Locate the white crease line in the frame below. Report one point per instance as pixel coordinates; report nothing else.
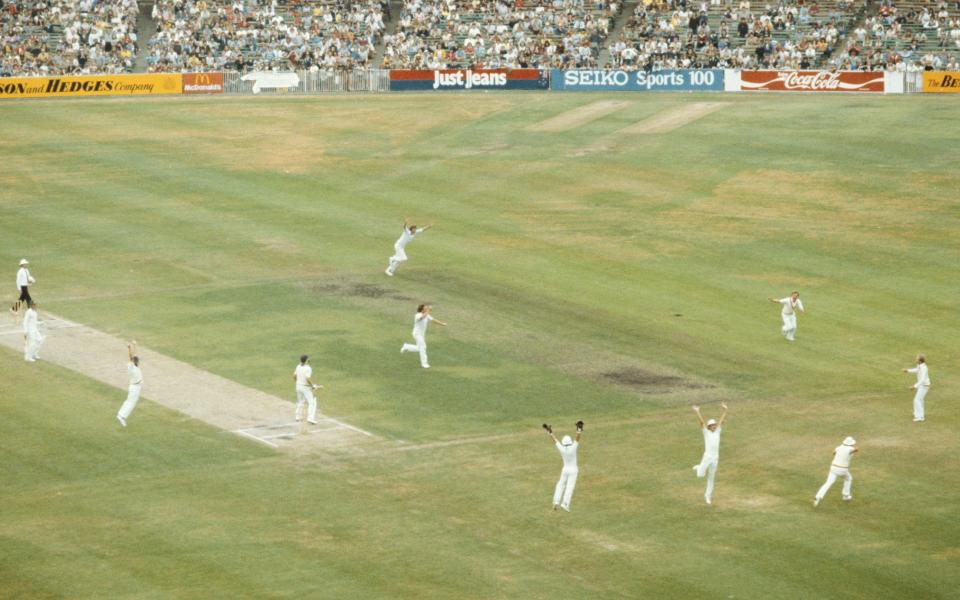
(253, 437)
(357, 429)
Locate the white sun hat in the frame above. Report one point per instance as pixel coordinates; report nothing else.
(24, 261)
(849, 441)
(711, 422)
(566, 441)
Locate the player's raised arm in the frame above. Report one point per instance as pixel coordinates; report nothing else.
(723, 417)
(696, 409)
(422, 229)
(579, 430)
(131, 350)
(773, 300)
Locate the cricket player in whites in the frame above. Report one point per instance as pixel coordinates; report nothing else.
(568, 476)
(136, 381)
(24, 280)
(305, 388)
(399, 247)
(840, 467)
(420, 321)
(31, 334)
(711, 449)
(922, 385)
(791, 304)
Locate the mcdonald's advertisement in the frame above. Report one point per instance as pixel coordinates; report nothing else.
(203, 83)
(91, 85)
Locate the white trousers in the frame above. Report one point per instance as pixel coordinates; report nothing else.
(420, 346)
(832, 478)
(789, 326)
(305, 396)
(31, 347)
(399, 256)
(133, 396)
(918, 401)
(564, 490)
(708, 466)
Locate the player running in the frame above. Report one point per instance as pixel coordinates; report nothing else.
(399, 247)
(791, 304)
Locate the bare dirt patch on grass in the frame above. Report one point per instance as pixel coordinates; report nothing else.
(348, 289)
(579, 116)
(673, 118)
(651, 382)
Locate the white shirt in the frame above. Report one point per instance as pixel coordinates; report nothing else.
(405, 238)
(136, 377)
(789, 305)
(303, 373)
(420, 322)
(923, 375)
(842, 456)
(30, 322)
(711, 441)
(569, 455)
(23, 278)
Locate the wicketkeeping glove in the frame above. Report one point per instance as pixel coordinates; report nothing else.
(579, 425)
(548, 428)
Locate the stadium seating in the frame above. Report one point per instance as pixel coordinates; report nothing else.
(67, 36)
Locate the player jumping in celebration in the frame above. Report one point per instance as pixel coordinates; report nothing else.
(791, 304)
(563, 493)
(136, 381)
(922, 385)
(711, 449)
(399, 247)
(305, 387)
(420, 320)
(24, 279)
(840, 467)
(31, 334)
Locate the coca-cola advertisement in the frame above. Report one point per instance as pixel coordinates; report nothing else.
(811, 81)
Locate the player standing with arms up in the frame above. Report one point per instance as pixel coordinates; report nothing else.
(420, 321)
(24, 279)
(563, 493)
(711, 449)
(136, 381)
(399, 247)
(840, 467)
(922, 385)
(791, 304)
(31, 334)
(305, 387)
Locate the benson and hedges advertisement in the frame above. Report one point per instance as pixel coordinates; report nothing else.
(669, 80)
(811, 81)
(467, 79)
(941, 82)
(90, 85)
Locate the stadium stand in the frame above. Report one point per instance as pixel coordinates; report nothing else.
(55, 37)
(240, 35)
(479, 33)
(50, 37)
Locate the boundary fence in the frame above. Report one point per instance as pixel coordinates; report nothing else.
(305, 83)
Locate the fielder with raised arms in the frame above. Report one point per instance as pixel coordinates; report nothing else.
(136, 381)
(711, 449)
(567, 447)
(400, 246)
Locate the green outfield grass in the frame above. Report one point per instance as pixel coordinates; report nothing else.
(619, 285)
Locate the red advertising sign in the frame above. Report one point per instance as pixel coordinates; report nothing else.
(811, 81)
(203, 83)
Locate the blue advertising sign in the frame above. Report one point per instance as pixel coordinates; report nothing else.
(669, 80)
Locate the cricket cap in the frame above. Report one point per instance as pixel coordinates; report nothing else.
(711, 422)
(849, 441)
(566, 441)
(24, 261)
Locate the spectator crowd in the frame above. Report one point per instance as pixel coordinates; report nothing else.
(52, 37)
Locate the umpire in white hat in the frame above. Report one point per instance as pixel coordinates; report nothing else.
(24, 279)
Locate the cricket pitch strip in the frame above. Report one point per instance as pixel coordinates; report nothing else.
(199, 394)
